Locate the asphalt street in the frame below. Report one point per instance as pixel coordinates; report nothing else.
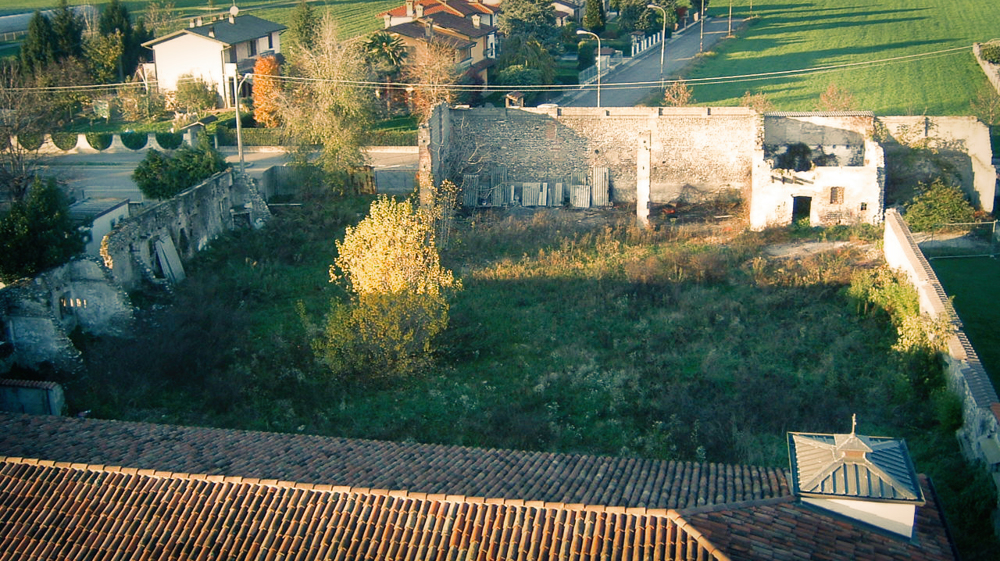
(619, 88)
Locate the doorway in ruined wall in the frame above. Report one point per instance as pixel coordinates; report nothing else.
(801, 209)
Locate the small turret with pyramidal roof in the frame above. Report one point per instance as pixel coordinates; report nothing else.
(867, 478)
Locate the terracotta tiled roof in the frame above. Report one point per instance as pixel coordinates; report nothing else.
(424, 468)
(784, 528)
(95, 513)
(457, 7)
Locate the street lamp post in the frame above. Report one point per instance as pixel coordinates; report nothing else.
(730, 19)
(663, 37)
(585, 32)
(701, 39)
(239, 129)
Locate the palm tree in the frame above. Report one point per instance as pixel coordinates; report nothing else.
(385, 55)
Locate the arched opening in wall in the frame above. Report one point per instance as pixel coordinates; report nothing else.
(65, 305)
(801, 209)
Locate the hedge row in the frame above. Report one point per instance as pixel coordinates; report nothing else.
(273, 137)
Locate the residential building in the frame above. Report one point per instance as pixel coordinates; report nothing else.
(468, 28)
(74, 488)
(98, 216)
(217, 50)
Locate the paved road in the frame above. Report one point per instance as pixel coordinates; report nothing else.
(680, 50)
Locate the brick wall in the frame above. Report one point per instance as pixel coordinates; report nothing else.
(694, 150)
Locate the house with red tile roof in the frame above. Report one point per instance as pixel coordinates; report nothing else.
(75, 488)
(466, 28)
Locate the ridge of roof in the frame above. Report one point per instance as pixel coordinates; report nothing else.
(244, 28)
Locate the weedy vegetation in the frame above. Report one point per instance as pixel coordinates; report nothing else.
(570, 334)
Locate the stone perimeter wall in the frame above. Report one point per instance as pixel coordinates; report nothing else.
(190, 220)
(694, 150)
(980, 432)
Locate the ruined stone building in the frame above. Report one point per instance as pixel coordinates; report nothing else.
(649, 155)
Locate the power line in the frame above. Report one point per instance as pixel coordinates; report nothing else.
(716, 80)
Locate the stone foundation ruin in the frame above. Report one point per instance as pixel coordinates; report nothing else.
(594, 157)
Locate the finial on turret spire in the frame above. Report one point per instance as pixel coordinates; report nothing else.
(854, 422)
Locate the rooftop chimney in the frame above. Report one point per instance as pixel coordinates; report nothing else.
(409, 8)
(476, 20)
(198, 21)
(211, 31)
(870, 479)
(429, 28)
(420, 10)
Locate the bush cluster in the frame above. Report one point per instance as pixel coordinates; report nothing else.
(990, 52)
(160, 176)
(938, 204)
(37, 234)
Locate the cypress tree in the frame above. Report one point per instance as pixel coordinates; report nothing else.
(38, 48)
(593, 16)
(67, 28)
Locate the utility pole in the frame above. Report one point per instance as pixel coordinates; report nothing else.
(663, 37)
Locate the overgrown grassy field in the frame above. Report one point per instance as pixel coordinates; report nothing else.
(354, 17)
(973, 283)
(687, 343)
(792, 35)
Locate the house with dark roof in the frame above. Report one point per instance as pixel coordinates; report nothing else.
(74, 488)
(216, 50)
(464, 28)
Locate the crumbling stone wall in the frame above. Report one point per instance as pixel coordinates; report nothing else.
(963, 141)
(187, 222)
(694, 151)
(39, 313)
(966, 377)
(847, 189)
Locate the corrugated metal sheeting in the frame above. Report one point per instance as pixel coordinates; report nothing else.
(580, 190)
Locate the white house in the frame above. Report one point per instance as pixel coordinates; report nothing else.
(102, 214)
(215, 50)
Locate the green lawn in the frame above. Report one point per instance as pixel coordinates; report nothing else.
(793, 35)
(354, 17)
(973, 284)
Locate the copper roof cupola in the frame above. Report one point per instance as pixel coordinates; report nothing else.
(867, 478)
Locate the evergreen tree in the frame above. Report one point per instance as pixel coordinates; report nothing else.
(115, 17)
(593, 16)
(38, 48)
(528, 19)
(37, 234)
(303, 28)
(67, 28)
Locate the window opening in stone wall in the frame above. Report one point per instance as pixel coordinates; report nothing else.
(801, 209)
(65, 305)
(836, 195)
(864, 206)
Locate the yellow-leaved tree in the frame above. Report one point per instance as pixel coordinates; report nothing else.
(390, 265)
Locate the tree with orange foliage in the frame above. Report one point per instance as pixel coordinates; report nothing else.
(265, 91)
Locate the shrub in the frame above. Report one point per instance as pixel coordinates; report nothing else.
(990, 53)
(393, 138)
(169, 140)
(99, 140)
(30, 141)
(161, 177)
(65, 140)
(134, 140)
(796, 157)
(37, 234)
(936, 205)
(194, 94)
(390, 264)
(262, 137)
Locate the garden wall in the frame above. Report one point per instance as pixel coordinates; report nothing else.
(106, 143)
(980, 432)
(152, 244)
(991, 70)
(695, 151)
